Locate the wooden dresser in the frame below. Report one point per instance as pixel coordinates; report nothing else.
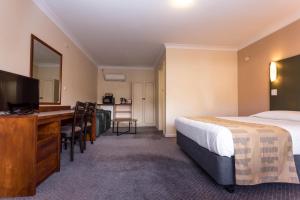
(30, 150)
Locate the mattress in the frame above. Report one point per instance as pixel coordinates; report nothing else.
(218, 139)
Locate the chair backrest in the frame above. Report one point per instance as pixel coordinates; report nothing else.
(90, 110)
(79, 114)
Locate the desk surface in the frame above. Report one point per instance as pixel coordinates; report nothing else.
(41, 114)
(51, 113)
(45, 117)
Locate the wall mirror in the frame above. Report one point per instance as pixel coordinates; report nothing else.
(46, 66)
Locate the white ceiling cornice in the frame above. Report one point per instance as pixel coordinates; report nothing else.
(199, 47)
(162, 52)
(272, 29)
(41, 4)
(126, 67)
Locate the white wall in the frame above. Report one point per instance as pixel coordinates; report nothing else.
(161, 95)
(122, 89)
(200, 82)
(20, 19)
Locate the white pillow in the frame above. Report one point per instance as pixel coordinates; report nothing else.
(279, 114)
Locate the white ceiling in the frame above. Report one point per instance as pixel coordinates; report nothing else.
(132, 32)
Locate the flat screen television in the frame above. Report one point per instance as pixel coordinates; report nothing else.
(18, 94)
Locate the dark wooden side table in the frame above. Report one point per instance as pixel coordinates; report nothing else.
(130, 121)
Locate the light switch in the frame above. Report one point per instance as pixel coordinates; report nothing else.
(247, 58)
(274, 92)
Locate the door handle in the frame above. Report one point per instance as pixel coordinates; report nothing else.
(143, 99)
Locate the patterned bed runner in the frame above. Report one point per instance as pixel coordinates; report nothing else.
(263, 153)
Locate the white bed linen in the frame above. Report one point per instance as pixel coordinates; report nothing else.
(218, 139)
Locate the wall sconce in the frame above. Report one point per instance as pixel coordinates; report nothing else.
(273, 71)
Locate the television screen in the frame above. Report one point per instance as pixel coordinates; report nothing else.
(18, 91)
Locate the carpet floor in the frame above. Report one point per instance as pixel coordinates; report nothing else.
(145, 166)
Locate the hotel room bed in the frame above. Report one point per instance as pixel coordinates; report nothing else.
(211, 145)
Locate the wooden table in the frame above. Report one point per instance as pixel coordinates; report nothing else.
(30, 150)
(120, 120)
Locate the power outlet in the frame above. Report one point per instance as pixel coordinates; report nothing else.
(274, 92)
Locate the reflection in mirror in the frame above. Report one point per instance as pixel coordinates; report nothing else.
(46, 66)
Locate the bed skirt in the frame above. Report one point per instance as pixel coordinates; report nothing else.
(220, 168)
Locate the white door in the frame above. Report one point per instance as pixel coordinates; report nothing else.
(137, 102)
(143, 103)
(46, 91)
(149, 104)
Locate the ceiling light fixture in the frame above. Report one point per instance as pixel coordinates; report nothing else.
(182, 3)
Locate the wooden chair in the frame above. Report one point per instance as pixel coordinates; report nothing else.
(90, 110)
(75, 131)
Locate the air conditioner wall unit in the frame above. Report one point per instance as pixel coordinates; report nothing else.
(115, 77)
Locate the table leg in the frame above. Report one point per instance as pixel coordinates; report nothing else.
(117, 128)
(113, 126)
(129, 123)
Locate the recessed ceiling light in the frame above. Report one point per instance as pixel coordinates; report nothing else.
(182, 3)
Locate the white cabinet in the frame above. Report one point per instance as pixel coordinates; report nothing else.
(143, 103)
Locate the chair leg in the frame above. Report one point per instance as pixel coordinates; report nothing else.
(72, 149)
(80, 142)
(60, 145)
(91, 136)
(84, 139)
(66, 143)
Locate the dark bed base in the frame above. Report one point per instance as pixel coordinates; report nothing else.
(220, 168)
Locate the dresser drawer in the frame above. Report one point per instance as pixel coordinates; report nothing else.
(47, 157)
(46, 147)
(46, 167)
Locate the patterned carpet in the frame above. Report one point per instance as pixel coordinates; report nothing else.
(143, 166)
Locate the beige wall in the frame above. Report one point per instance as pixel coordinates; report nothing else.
(21, 18)
(160, 92)
(200, 82)
(253, 75)
(122, 89)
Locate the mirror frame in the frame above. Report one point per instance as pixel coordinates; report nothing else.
(33, 37)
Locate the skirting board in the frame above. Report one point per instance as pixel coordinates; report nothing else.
(169, 135)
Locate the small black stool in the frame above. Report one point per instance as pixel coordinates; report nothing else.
(130, 121)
